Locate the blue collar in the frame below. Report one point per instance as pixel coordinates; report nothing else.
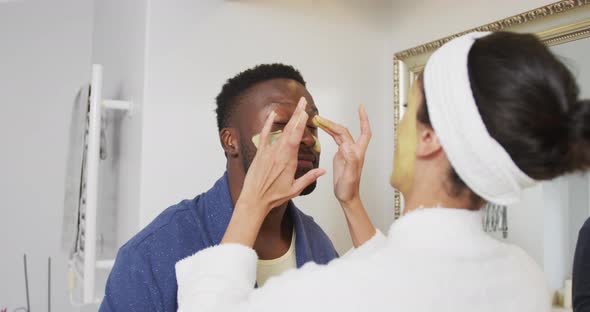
(218, 207)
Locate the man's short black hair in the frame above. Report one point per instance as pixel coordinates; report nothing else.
(234, 87)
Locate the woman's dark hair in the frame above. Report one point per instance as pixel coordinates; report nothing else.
(528, 101)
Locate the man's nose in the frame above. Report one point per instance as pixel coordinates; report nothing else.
(307, 138)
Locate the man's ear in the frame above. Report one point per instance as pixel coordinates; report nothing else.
(229, 141)
(428, 143)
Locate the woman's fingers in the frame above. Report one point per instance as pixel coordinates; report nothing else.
(337, 131)
(366, 132)
(352, 161)
(349, 155)
(264, 139)
(296, 126)
(341, 134)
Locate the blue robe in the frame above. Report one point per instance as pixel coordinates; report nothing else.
(143, 277)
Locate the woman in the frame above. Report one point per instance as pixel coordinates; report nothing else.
(493, 114)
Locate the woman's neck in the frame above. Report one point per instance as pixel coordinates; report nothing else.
(437, 198)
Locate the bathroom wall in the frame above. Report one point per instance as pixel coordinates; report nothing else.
(44, 59)
(119, 44)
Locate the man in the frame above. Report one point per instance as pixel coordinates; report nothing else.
(143, 278)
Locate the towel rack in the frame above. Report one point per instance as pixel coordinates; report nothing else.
(84, 264)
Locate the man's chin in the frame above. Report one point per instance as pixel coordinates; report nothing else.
(310, 188)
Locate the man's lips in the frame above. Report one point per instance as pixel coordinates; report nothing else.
(306, 161)
(304, 164)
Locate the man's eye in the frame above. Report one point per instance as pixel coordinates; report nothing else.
(284, 124)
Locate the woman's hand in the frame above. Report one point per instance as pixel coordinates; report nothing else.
(348, 168)
(270, 180)
(350, 158)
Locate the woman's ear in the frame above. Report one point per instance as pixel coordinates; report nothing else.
(229, 141)
(428, 143)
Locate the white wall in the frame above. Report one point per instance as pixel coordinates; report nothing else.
(555, 201)
(119, 45)
(44, 57)
(341, 48)
(578, 213)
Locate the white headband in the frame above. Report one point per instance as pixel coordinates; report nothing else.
(481, 162)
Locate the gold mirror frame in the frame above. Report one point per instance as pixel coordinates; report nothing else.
(554, 24)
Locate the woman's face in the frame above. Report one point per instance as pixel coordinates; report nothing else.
(404, 160)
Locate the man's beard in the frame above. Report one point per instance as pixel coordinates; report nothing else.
(248, 151)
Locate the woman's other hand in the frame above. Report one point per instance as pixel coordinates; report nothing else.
(350, 158)
(348, 168)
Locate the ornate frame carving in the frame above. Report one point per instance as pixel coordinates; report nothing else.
(556, 23)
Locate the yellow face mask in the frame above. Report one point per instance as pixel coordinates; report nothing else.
(317, 146)
(402, 177)
(275, 135)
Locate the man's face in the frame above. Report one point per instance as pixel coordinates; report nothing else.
(282, 96)
(404, 163)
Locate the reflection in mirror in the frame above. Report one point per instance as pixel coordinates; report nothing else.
(575, 55)
(569, 195)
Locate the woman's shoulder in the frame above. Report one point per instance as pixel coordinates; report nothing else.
(528, 276)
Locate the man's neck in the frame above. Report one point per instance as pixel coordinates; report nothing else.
(274, 237)
(276, 233)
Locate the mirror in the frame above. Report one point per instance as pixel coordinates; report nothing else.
(546, 222)
(570, 193)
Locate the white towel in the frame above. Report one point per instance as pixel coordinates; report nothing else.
(481, 162)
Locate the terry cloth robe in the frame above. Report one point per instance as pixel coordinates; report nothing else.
(434, 259)
(143, 277)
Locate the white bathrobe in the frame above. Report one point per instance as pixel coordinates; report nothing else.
(434, 259)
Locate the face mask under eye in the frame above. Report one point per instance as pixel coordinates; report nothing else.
(275, 135)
